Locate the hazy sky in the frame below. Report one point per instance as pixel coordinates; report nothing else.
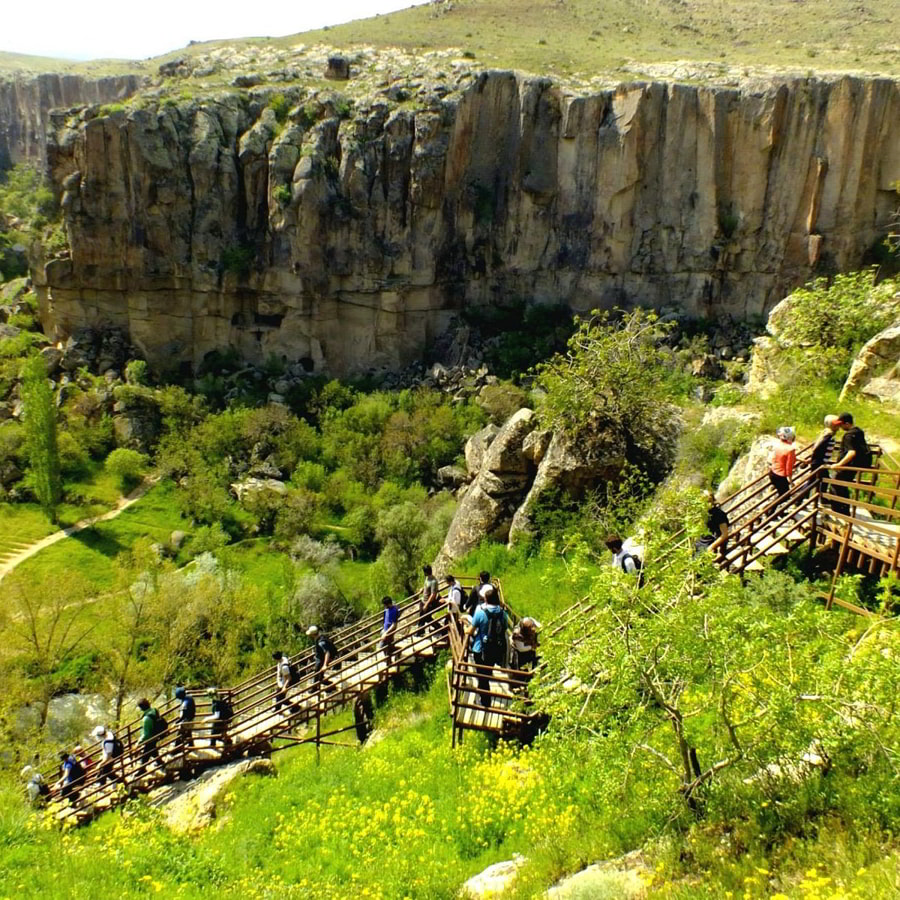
(133, 30)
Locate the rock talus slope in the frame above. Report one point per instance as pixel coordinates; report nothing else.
(347, 234)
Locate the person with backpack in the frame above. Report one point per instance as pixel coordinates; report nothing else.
(37, 789)
(326, 653)
(184, 734)
(220, 716)
(456, 597)
(622, 559)
(71, 777)
(389, 628)
(489, 647)
(111, 749)
(284, 677)
(717, 529)
(153, 726)
(429, 603)
(854, 452)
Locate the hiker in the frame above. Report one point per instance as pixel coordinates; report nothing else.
(187, 711)
(430, 602)
(717, 525)
(854, 452)
(389, 627)
(326, 654)
(476, 595)
(821, 450)
(153, 726)
(220, 715)
(87, 762)
(455, 596)
(283, 677)
(35, 786)
(489, 626)
(111, 748)
(525, 643)
(784, 457)
(621, 558)
(363, 716)
(71, 775)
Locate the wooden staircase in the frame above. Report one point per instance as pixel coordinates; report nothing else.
(262, 722)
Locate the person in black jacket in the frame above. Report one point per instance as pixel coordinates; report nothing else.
(854, 452)
(326, 653)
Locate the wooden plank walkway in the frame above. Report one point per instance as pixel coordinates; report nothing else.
(257, 724)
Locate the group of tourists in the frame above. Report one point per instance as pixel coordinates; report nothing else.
(78, 769)
(854, 452)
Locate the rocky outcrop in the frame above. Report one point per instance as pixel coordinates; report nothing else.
(345, 234)
(25, 105)
(752, 465)
(489, 504)
(493, 881)
(875, 370)
(562, 467)
(626, 878)
(191, 806)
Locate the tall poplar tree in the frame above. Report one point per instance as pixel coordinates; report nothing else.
(43, 475)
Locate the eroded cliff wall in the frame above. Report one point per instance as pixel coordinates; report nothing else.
(349, 236)
(25, 104)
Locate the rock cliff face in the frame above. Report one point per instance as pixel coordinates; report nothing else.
(25, 105)
(345, 236)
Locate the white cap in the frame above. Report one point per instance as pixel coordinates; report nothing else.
(99, 732)
(312, 631)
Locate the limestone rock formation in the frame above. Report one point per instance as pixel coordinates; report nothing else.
(347, 235)
(875, 370)
(477, 446)
(563, 467)
(494, 880)
(625, 878)
(191, 806)
(488, 506)
(753, 464)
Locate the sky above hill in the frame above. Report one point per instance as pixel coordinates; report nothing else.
(98, 29)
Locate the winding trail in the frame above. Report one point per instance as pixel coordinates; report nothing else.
(31, 549)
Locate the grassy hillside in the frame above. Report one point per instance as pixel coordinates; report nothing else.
(589, 37)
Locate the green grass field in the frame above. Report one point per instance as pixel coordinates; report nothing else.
(586, 37)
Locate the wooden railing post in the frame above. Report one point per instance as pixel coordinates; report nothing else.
(829, 602)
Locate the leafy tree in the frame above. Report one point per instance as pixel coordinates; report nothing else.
(400, 530)
(612, 379)
(42, 450)
(47, 624)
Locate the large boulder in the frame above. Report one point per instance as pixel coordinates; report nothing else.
(564, 467)
(190, 807)
(625, 878)
(488, 506)
(875, 370)
(494, 880)
(476, 447)
(753, 464)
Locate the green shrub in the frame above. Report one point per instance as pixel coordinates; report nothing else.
(281, 106)
(136, 372)
(238, 259)
(127, 465)
(501, 400)
(282, 194)
(841, 315)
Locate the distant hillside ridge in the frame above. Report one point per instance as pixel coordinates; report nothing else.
(346, 230)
